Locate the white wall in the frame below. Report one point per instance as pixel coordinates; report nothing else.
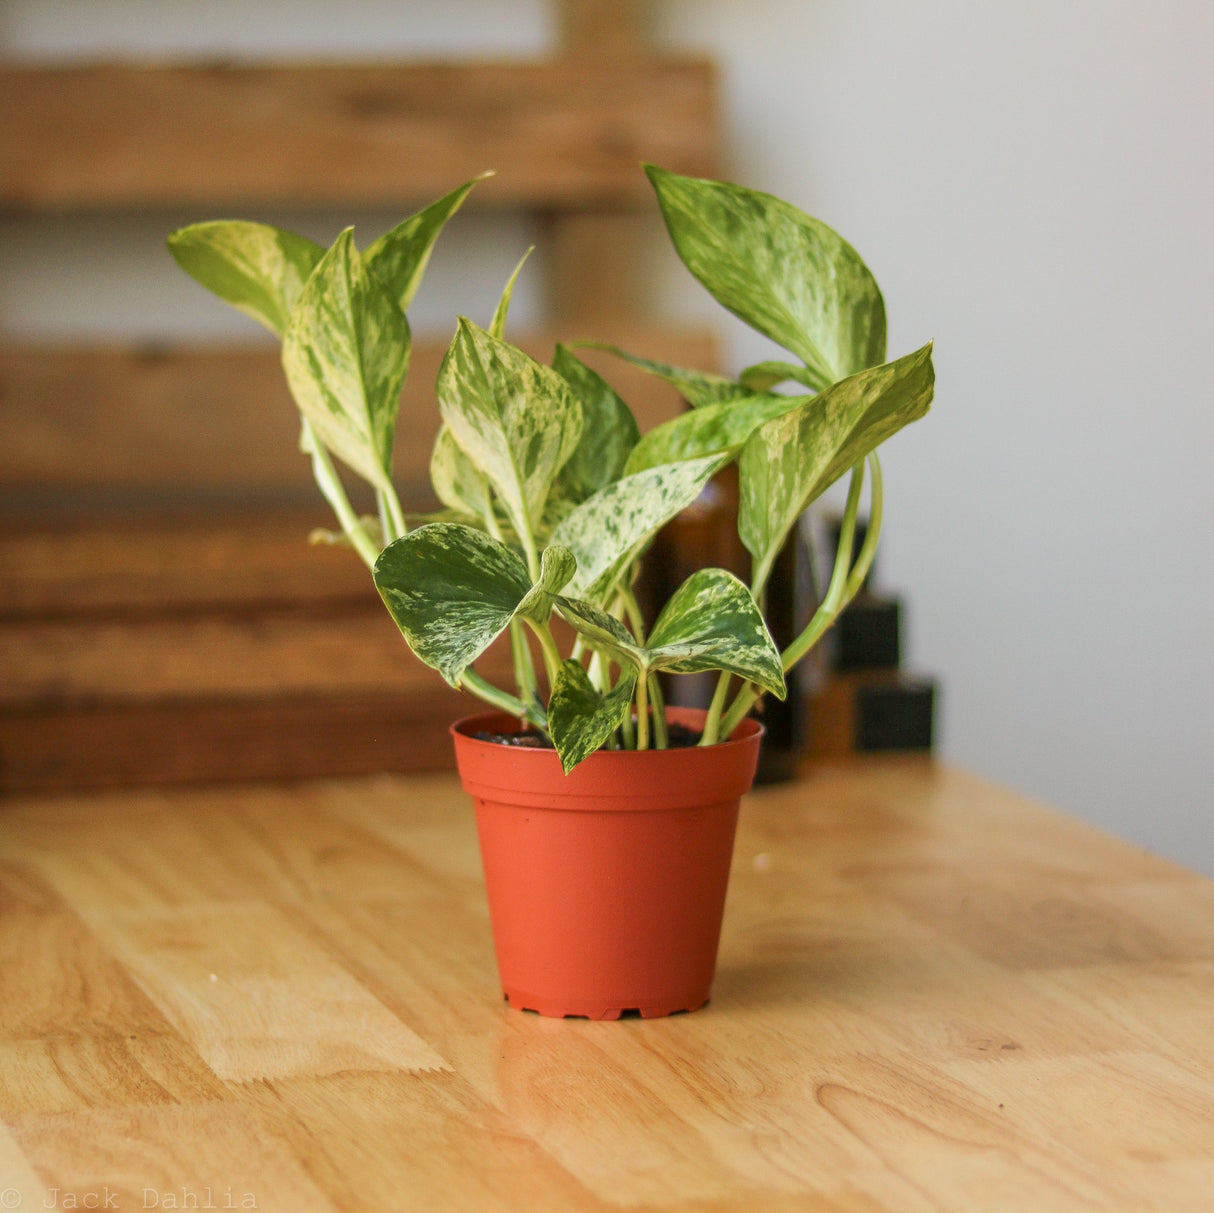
(1032, 183)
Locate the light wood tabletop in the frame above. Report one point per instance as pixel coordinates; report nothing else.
(932, 995)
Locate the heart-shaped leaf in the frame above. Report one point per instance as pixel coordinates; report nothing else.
(712, 623)
(456, 480)
(452, 591)
(712, 429)
(516, 420)
(609, 430)
(608, 531)
(790, 461)
(786, 274)
(580, 718)
(399, 257)
(257, 268)
(605, 632)
(345, 353)
(698, 388)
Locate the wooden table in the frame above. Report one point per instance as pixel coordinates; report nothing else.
(932, 995)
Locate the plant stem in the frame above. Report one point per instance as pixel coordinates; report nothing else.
(661, 734)
(712, 722)
(824, 616)
(643, 712)
(473, 683)
(872, 533)
(552, 655)
(335, 494)
(394, 525)
(626, 730)
(632, 612)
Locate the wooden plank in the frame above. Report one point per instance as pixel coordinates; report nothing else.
(55, 747)
(561, 135)
(166, 562)
(342, 650)
(203, 423)
(600, 28)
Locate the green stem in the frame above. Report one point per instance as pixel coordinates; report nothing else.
(824, 616)
(552, 655)
(396, 514)
(712, 722)
(872, 533)
(632, 612)
(474, 684)
(661, 734)
(627, 732)
(524, 667)
(643, 712)
(335, 494)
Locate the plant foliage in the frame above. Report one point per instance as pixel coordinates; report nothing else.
(551, 494)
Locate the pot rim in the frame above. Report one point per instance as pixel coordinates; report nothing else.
(502, 722)
(678, 777)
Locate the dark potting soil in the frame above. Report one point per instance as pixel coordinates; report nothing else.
(681, 737)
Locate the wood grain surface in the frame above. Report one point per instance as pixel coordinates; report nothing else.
(932, 995)
(563, 134)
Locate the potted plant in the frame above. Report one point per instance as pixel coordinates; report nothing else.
(606, 837)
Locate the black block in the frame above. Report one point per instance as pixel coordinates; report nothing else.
(894, 715)
(868, 634)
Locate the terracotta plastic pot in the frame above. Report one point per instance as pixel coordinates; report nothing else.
(606, 886)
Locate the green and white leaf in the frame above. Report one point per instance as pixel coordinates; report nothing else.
(712, 429)
(452, 591)
(698, 388)
(399, 257)
(345, 352)
(580, 718)
(497, 326)
(713, 623)
(515, 419)
(609, 430)
(790, 461)
(257, 268)
(763, 376)
(557, 565)
(604, 631)
(786, 274)
(608, 531)
(457, 481)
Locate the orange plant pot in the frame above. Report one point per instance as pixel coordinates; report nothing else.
(606, 886)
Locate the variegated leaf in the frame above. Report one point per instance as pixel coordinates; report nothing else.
(580, 718)
(497, 327)
(786, 274)
(712, 623)
(515, 419)
(763, 376)
(399, 257)
(556, 567)
(604, 632)
(698, 388)
(790, 461)
(608, 531)
(456, 480)
(257, 268)
(609, 430)
(712, 429)
(345, 353)
(452, 591)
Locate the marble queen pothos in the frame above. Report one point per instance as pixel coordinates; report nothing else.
(551, 495)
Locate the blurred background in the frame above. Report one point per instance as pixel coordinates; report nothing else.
(1031, 183)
